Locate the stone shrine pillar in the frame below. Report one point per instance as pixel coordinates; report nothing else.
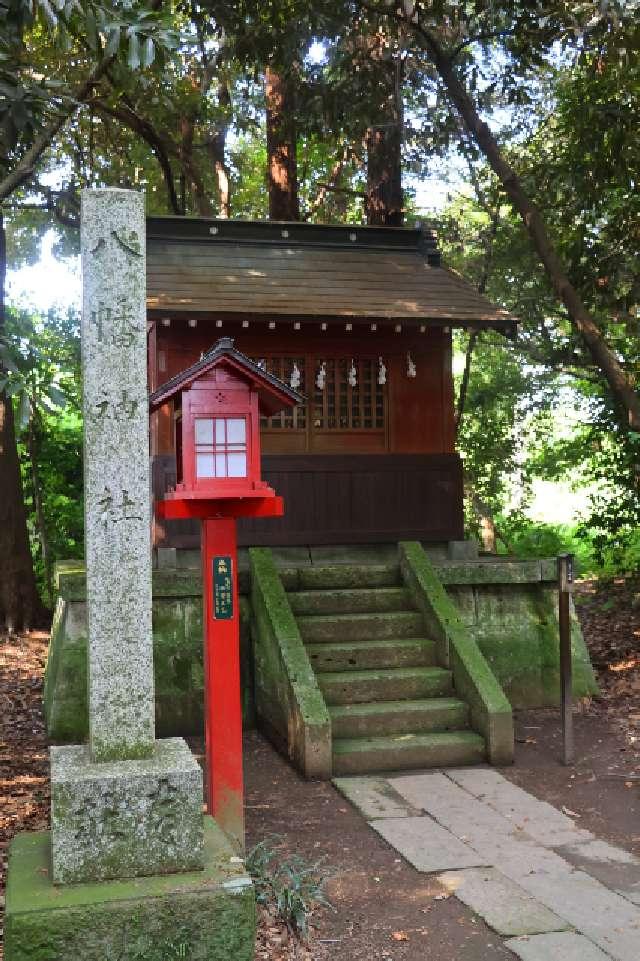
(125, 805)
(116, 476)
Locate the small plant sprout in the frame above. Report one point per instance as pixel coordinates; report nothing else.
(291, 887)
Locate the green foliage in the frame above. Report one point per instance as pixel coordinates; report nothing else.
(537, 539)
(559, 80)
(496, 408)
(60, 473)
(292, 888)
(41, 356)
(576, 165)
(77, 36)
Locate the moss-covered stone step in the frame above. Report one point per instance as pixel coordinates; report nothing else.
(351, 601)
(356, 687)
(364, 655)
(401, 752)
(378, 718)
(338, 628)
(348, 575)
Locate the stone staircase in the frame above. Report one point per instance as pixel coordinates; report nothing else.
(391, 705)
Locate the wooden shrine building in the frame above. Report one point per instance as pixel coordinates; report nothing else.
(358, 320)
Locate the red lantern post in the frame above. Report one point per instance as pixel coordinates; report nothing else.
(217, 406)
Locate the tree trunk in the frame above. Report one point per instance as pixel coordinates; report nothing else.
(282, 176)
(224, 188)
(217, 149)
(383, 142)
(201, 200)
(619, 382)
(20, 606)
(384, 184)
(489, 533)
(464, 383)
(33, 443)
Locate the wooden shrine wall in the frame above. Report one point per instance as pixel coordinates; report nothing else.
(394, 475)
(344, 499)
(419, 411)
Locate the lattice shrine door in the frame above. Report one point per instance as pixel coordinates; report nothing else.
(339, 416)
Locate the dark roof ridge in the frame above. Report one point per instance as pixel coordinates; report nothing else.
(214, 231)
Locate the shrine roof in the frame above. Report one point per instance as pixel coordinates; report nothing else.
(273, 393)
(204, 267)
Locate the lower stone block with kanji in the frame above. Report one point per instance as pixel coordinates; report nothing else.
(122, 819)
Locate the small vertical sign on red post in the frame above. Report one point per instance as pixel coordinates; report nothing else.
(223, 574)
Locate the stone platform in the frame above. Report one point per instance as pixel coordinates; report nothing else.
(206, 915)
(509, 607)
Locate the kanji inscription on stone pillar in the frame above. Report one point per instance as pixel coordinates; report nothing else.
(116, 475)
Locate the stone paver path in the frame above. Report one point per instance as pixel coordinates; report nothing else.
(555, 890)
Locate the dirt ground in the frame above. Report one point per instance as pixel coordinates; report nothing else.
(383, 908)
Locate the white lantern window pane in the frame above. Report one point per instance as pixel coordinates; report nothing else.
(236, 430)
(204, 431)
(237, 465)
(220, 431)
(204, 465)
(221, 465)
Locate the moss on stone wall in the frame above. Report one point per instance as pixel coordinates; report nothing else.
(509, 608)
(516, 628)
(177, 656)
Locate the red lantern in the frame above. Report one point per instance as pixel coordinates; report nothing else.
(217, 406)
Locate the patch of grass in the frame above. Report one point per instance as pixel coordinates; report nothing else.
(291, 887)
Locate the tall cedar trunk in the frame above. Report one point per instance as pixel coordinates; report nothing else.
(282, 176)
(33, 443)
(620, 384)
(383, 142)
(217, 149)
(200, 198)
(20, 606)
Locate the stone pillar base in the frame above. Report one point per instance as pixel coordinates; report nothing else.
(209, 914)
(122, 819)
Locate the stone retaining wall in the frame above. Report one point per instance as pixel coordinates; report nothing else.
(509, 607)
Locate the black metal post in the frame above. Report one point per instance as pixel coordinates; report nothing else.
(565, 587)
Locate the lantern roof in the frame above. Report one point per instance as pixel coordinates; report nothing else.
(273, 394)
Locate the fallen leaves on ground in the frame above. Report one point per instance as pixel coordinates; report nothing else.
(24, 757)
(274, 941)
(609, 613)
